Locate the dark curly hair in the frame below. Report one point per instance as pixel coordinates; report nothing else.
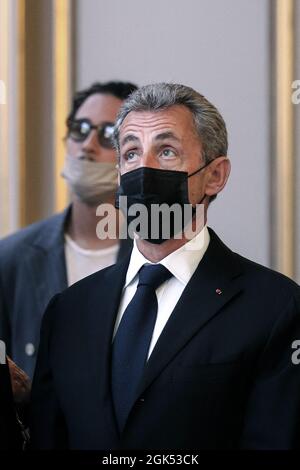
(118, 89)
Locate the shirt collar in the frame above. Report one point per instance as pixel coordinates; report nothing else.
(182, 262)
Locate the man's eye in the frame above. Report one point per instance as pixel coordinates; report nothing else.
(168, 153)
(131, 155)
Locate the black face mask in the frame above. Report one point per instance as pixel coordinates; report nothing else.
(148, 187)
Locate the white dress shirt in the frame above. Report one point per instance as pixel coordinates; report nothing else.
(182, 263)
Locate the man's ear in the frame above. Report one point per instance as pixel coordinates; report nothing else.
(217, 176)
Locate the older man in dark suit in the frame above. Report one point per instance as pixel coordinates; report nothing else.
(184, 344)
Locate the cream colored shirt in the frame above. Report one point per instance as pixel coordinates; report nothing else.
(81, 262)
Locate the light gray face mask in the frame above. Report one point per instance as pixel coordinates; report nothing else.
(92, 182)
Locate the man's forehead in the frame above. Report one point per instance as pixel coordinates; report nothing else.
(174, 118)
(99, 105)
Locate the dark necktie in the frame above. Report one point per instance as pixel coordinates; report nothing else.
(132, 340)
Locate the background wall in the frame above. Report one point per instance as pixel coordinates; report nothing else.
(297, 141)
(242, 54)
(220, 48)
(9, 171)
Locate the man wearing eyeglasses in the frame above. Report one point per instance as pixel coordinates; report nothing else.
(49, 256)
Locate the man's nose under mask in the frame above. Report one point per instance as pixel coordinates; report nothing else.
(147, 189)
(92, 182)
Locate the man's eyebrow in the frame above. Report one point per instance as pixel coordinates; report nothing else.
(129, 138)
(161, 136)
(166, 135)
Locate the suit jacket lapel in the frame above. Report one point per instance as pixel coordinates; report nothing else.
(103, 306)
(211, 287)
(125, 247)
(47, 266)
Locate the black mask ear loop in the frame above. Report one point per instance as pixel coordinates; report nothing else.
(194, 173)
(197, 171)
(201, 168)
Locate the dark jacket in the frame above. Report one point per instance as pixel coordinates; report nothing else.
(219, 377)
(10, 435)
(32, 270)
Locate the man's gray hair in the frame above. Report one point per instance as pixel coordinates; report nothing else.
(209, 124)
